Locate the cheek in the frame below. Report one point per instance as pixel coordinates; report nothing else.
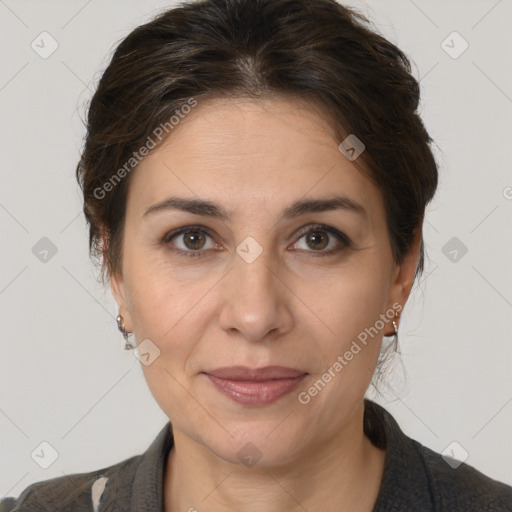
(350, 302)
(348, 343)
(167, 313)
(171, 309)
(350, 310)
(170, 313)
(162, 296)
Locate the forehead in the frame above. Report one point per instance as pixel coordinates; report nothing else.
(251, 154)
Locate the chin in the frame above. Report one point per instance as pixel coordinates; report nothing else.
(257, 443)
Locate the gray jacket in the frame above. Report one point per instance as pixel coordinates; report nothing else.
(415, 479)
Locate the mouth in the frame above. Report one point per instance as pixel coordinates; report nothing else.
(255, 386)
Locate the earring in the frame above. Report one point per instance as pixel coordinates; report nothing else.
(395, 334)
(120, 325)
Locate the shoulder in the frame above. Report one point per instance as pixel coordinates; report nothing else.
(127, 485)
(77, 492)
(462, 487)
(418, 478)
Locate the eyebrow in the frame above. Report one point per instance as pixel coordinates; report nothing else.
(301, 207)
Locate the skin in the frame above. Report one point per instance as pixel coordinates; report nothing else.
(289, 307)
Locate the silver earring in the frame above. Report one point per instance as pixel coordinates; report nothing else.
(120, 325)
(395, 335)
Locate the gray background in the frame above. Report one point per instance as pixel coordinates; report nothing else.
(65, 377)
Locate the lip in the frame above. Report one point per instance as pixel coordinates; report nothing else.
(255, 386)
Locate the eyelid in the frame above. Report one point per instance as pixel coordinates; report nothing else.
(178, 231)
(322, 227)
(184, 229)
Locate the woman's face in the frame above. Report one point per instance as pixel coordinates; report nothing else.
(257, 280)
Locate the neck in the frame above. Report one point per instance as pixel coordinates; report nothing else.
(344, 473)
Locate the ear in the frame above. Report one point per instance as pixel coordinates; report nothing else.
(118, 288)
(404, 277)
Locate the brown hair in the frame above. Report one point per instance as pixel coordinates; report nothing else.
(318, 50)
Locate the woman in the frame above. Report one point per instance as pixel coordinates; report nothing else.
(255, 179)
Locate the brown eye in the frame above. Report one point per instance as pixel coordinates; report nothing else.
(318, 237)
(317, 240)
(193, 239)
(189, 240)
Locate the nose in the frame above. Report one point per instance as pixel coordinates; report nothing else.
(256, 300)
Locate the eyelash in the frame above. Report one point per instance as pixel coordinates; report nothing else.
(344, 239)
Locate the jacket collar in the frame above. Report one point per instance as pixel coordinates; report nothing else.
(405, 482)
(138, 484)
